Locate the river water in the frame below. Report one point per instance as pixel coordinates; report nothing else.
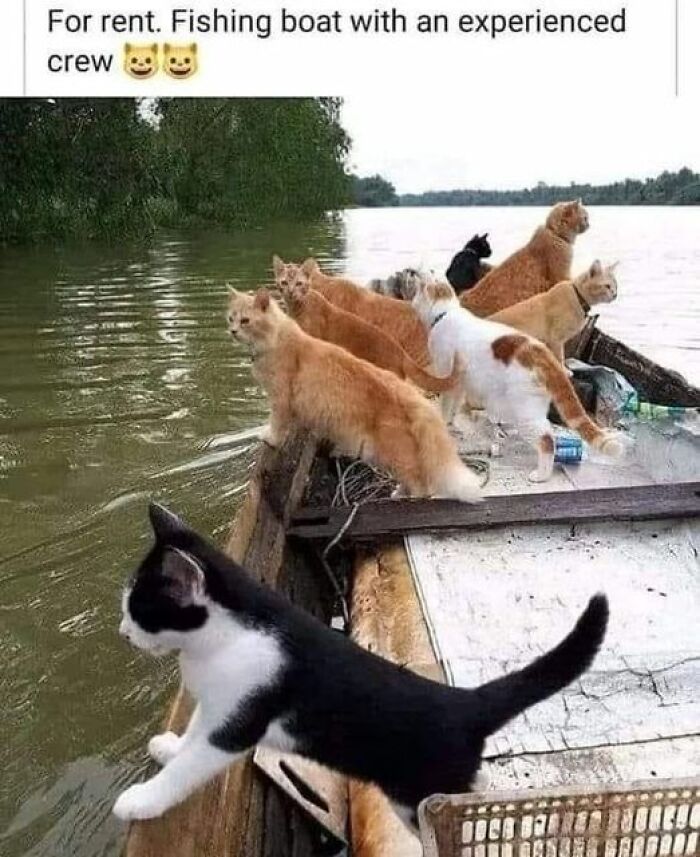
(119, 383)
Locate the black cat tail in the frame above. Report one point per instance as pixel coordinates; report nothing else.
(506, 697)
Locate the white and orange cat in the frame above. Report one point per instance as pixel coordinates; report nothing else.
(510, 374)
(395, 317)
(556, 316)
(365, 411)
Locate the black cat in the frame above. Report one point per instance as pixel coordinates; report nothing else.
(265, 672)
(466, 269)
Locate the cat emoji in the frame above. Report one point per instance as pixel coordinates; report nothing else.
(141, 61)
(180, 61)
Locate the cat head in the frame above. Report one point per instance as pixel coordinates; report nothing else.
(480, 245)
(141, 61)
(289, 275)
(568, 219)
(405, 283)
(598, 285)
(180, 61)
(166, 601)
(430, 293)
(253, 318)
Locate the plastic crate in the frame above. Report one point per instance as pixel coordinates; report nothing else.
(649, 819)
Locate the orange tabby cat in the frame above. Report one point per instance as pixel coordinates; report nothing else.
(321, 319)
(365, 411)
(542, 263)
(396, 318)
(558, 315)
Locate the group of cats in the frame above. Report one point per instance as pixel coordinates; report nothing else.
(265, 672)
(344, 361)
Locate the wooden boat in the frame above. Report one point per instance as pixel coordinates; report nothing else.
(366, 564)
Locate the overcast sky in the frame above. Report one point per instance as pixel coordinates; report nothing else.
(443, 144)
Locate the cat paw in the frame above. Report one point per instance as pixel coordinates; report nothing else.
(138, 802)
(162, 748)
(536, 476)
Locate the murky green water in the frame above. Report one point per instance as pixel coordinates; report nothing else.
(118, 383)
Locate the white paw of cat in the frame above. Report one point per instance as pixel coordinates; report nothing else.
(536, 476)
(162, 748)
(139, 802)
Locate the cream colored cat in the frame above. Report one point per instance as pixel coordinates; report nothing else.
(558, 315)
(365, 411)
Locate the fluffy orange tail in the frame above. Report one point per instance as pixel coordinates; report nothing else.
(426, 381)
(538, 358)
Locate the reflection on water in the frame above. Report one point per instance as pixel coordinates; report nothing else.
(118, 383)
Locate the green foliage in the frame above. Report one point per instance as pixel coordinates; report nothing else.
(108, 168)
(373, 192)
(681, 188)
(72, 166)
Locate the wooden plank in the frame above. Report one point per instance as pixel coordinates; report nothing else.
(390, 518)
(387, 619)
(652, 382)
(241, 812)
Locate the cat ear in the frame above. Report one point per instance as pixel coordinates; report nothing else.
(308, 266)
(596, 269)
(154, 48)
(262, 300)
(277, 265)
(167, 47)
(165, 523)
(127, 47)
(484, 236)
(231, 289)
(613, 267)
(193, 48)
(184, 575)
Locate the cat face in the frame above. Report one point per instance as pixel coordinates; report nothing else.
(568, 218)
(252, 319)
(598, 285)
(166, 601)
(293, 279)
(141, 61)
(408, 281)
(180, 61)
(480, 245)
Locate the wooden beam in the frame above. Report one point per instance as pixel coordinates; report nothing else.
(386, 518)
(654, 383)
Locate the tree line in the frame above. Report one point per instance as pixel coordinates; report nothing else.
(105, 168)
(669, 188)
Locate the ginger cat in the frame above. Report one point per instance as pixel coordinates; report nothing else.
(396, 318)
(542, 263)
(322, 320)
(365, 411)
(558, 315)
(511, 375)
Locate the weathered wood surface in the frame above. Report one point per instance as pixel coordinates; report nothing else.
(535, 580)
(241, 813)
(390, 518)
(386, 618)
(654, 383)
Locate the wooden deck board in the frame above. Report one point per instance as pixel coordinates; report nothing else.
(386, 519)
(535, 580)
(386, 618)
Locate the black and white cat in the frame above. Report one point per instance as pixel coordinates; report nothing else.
(264, 672)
